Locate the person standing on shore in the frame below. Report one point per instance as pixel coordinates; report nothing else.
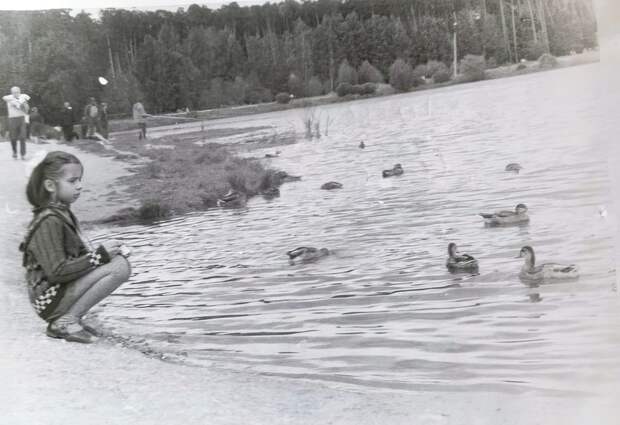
(67, 120)
(91, 113)
(36, 124)
(17, 106)
(139, 116)
(103, 119)
(65, 276)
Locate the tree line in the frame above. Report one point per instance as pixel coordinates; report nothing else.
(205, 58)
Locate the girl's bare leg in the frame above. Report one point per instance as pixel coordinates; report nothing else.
(81, 295)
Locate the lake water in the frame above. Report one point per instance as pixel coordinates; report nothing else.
(215, 287)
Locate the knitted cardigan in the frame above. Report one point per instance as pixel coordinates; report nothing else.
(55, 255)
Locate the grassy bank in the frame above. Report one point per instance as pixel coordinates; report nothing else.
(174, 175)
(503, 71)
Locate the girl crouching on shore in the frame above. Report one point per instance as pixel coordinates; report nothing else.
(65, 277)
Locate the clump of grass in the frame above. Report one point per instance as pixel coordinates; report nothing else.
(191, 178)
(153, 210)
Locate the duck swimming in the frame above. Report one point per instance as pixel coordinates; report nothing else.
(513, 166)
(519, 215)
(284, 177)
(531, 271)
(232, 199)
(271, 192)
(460, 262)
(272, 155)
(362, 145)
(306, 254)
(397, 170)
(331, 186)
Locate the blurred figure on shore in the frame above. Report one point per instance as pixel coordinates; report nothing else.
(83, 127)
(67, 121)
(91, 113)
(17, 107)
(103, 120)
(36, 124)
(139, 116)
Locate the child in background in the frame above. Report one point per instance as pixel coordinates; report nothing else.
(65, 276)
(139, 116)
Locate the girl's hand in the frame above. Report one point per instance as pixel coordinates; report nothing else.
(113, 247)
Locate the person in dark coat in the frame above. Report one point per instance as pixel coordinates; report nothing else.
(36, 124)
(103, 119)
(67, 120)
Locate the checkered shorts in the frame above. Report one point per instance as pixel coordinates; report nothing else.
(44, 300)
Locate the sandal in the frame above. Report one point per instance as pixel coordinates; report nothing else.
(71, 332)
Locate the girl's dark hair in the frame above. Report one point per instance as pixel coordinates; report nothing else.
(49, 168)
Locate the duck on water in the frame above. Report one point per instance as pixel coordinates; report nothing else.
(546, 271)
(397, 170)
(460, 262)
(499, 218)
(232, 199)
(331, 186)
(306, 254)
(514, 167)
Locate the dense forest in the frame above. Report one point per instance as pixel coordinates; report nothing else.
(204, 58)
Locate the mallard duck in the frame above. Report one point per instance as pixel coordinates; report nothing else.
(271, 192)
(362, 145)
(307, 254)
(331, 185)
(284, 177)
(513, 166)
(232, 199)
(457, 261)
(531, 271)
(519, 215)
(396, 171)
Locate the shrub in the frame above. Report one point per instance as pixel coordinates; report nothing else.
(533, 51)
(521, 67)
(419, 75)
(433, 67)
(401, 75)
(491, 62)
(258, 95)
(346, 73)
(344, 89)
(384, 89)
(547, 61)
(283, 98)
(472, 68)
(369, 74)
(314, 87)
(367, 88)
(442, 76)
